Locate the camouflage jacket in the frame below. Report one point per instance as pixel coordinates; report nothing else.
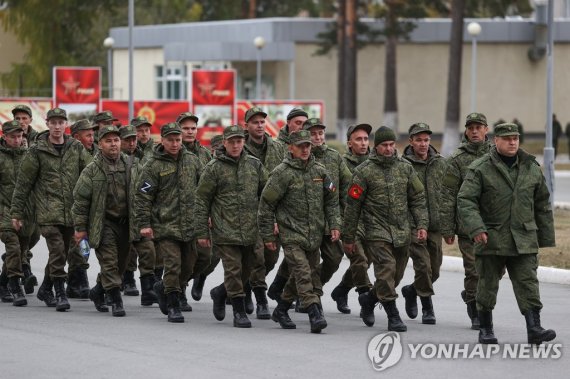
(228, 194)
(352, 161)
(298, 196)
(456, 170)
(382, 192)
(431, 174)
(147, 148)
(200, 151)
(49, 178)
(90, 196)
(274, 153)
(94, 150)
(283, 136)
(166, 193)
(512, 205)
(30, 136)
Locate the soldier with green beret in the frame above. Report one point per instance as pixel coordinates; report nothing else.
(228, 195)
(23, 114)
(475, 145)
(144, 139)
(383, 191)
(504, 207)
(301, 198)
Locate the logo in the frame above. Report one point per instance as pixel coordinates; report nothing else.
(385, 350)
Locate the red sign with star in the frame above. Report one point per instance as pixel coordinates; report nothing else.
(76, 85)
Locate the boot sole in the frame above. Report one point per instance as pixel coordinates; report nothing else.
(62, 308)
(42, 298)
(244, 326)
(428, 322)
(547, 337)
(24, 302)
(176, 320)
(119, 314)
(398, 329)
(131, 293)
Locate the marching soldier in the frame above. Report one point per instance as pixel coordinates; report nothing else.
(23, 114)
(144, 139)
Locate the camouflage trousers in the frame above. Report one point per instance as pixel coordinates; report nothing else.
(34, 238)
(304, 281)
(113, 254)
(180, 258)
(264, 262)
(59, 240)
(16, 247)
(389, 266)
(145, 251)
(471, 276)
(427, 258)
(214, 261)
(237, 261)
(357, 273)
(522, 272)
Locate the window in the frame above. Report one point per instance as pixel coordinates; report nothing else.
(171, 82)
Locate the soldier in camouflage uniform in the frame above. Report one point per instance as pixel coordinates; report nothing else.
(101, 119)
(301, 197)
(23, 114)
(84, 132)
(144, 139)
(475, 145)
(165, 212)
(48, 173)
(504, 207)
(383, 191)
(228, 195)
(426, 255)
(129, 144)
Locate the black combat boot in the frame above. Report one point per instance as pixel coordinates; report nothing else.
(183, 300)
(276, 288)
(162, 299)
(17, 293)
(45, 292)
(281, 315)
(471, 311)
(148, 296)
(158, 271)
(316, 318)
(240, 315)
(262, 309)
(486, 333)
(395, 323)
(5, 294)
(97, 296)
(29, 281)
(62, 303)
(83, 283)
(367, 302)
(198, 287)
(249, 308)
(117, 307)
(219, 296)
(340, 296)
(174, 314)
(536, 334)
(73, 290)
(411, 296)
(428, 315)
(129, 284)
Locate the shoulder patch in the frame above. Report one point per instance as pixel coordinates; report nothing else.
(145, 186)
(417, 184)
(328, 184)
(168, 172)
(355, 191)
(450, 180)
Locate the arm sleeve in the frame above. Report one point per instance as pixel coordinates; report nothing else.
(145, 195)
(468, 200)
(27, 175)
(204, 195)
(355, 197)
(272, 193)
(82, 195)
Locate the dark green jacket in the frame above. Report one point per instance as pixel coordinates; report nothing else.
(382, 192)
(456, 170)
(516, 214)
(299, 197)
(166, 194)
(353, 161)
(228, 194)
(200, 151)
(49, 178)
(273, 155)
(147, 148)
(31, 136)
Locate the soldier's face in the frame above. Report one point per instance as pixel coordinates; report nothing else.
(143, 133)
(296, 123)
(234, 146)
(56, 126)
(110, 145)
(317, 136)
(129, 144)
(256, 126)
(86, 137)
(420, 144)
(386, 148)
(476, 132)
(172, 144)
(507, 145)
(302, 151)
(24, 119)
(189, 130)
(14, 139)
(358, 142)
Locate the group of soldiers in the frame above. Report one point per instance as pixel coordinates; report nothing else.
(179, 208)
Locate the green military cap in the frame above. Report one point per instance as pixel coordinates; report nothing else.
(11, 126)
(170, 128)
(216, 141)
(108, 130)
(476, 117)
(384, 134)
(419, 127)
(295, 112)
(104, 116)
(185, 115)
(353, 128)
(507, 129)
(312, 123)
(140, 121)
(22, 108)
(252, 112)
(300, 137)
(127, 131)
(82, 124)
(57, 112)
(234, 131)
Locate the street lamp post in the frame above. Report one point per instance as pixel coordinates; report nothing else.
(259, 43)
(474, 29)
(108, 44)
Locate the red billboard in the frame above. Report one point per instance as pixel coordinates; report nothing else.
(213, 97)
(76, 85)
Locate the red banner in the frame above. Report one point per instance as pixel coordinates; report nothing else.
(213, 97)
(76, 85)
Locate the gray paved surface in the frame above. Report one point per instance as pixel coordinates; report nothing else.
(37, 342)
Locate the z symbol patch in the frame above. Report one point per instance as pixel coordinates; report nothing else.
(146, 186)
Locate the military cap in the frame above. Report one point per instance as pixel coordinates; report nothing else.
(313, 123)
(104, 116)
(22, 108)
(185, 115)
(507, 129)
(384, 134)
(11, 126)
(82, 124)
(216, 141)
(296, 112)
(170, 128)
(57, 112)
(476, 117)
(233, 131)
(127, 131)
(419, 127)
(108, 130)
(252, 112)
(353, 128)
(139, 121)
(299, 137)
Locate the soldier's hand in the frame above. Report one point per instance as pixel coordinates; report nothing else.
(147, 232)
(422, 235)
(204, 242)
(449, 240)
(481, 238)
(275, 229)
(271, 246)
(335, 235)
(78, 236)
(348, 248)
(17, 224)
